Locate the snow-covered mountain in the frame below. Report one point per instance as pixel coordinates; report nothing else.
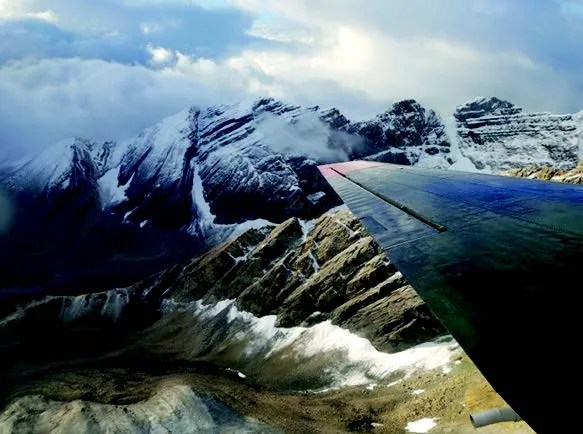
(228, 163)
(418, 137)
(496, 135)
(202, 172)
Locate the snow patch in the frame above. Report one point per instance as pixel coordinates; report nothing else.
(437, 161)
(239, 373)
(106, 304)
(351, 233)
(51, 168)
(307, 227)
(351, 360)
(315, 264)
(250, 224)
(109, 189)
(206, 217)
(464, 164)
(315, 197)
(422, 425)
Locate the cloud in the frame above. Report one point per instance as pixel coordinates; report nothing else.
(51, 99)
(108, 68)
(380, 69)
(87, 27)
(281, 32)
(152, 27)
(441, 53)
(307, 136)
(160, 55)
(16, 10)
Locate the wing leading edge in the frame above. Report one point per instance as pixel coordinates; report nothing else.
(497, 259)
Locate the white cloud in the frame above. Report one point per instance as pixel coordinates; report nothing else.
(17, 10)
(439, 73)
(151, 27)
(358, 58)
(280, 32)
(160, 55)
(307, 136)
(48, 15)
(48, 100)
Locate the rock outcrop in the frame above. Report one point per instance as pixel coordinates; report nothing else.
(497, 135)
(573, 176)
(305, 275)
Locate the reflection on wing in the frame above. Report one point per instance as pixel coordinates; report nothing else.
(498, 261)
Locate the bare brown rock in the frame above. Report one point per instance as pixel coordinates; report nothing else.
(573, 176)
(334, 271)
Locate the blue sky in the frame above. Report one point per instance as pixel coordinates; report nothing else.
(108, 68)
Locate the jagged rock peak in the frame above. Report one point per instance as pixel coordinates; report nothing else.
(334, 118)
(410, 124)
(272, 105)
(415, 136)
(485, 106)
(403, 107)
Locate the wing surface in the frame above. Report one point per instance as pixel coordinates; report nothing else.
(499, 260)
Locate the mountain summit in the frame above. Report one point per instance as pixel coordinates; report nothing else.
(496, 135)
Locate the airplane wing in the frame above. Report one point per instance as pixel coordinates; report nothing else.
(498, 260)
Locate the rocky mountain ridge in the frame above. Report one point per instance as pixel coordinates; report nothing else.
(198, 315)
(227, 164)
(192, 178)
(411, 128)
(306, 274)
(206, 173)
(209, 159)
(496, 135)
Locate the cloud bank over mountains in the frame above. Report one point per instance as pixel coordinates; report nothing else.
(110, 68)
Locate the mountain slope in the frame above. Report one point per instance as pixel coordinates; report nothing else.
(262, 157)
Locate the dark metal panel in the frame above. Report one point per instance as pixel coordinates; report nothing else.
(381, 219)
(558, 206)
